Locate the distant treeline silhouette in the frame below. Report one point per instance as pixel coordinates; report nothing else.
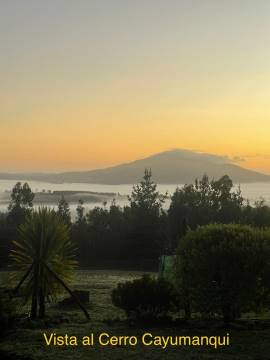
(135, 236)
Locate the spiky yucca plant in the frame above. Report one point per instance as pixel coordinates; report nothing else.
(45, 258)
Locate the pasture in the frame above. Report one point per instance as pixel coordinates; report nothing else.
(249, 338)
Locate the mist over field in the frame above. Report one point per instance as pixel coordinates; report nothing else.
(251, 191)
(169, 169)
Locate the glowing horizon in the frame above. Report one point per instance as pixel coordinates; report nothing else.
(88, 85)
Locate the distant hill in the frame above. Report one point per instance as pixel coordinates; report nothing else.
(169, 167)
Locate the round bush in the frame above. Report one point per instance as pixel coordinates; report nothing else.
(220, 267)
(145, 298)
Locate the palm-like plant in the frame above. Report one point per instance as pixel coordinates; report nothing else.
(44, 256)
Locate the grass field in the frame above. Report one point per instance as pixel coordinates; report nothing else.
(27, 342)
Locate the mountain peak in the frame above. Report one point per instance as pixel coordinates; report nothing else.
(177, 166)
(191, 155)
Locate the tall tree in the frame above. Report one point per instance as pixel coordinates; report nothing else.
(202, 203)
(64, 211)
(80, 213)
(80, 234)
(21, 203)
(145, 216)
(145, 196)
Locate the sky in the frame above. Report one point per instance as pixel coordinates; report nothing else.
(90, 83)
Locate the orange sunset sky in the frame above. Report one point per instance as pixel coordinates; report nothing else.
(87, 84)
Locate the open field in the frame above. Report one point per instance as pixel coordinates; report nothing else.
(72, 197)
(27, 342)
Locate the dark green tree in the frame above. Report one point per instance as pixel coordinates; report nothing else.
(80, 213)
(106, 228)
(80, 234)
(146, 234)
(202, 203)
(145, 196)
(257, 215)
(7, 233)
(64, 211)
(220, 269)
(21, 203)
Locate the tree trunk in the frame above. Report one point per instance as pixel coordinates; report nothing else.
(36, 280)
(40, 289)
(25, 276)
(34, 304)
(69, 291)
(41, 294)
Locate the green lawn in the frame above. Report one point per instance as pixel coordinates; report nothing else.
(27, 341)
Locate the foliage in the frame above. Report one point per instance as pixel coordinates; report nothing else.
(7, 232)
(21, 203)
(80, 217)
(257, 215)
(136, 235)
(145, 298)
(107, 225)
(80, 235)
(64, 211)
(221, 269)
(146, 219)
(43, 249)
(21, 195)
(145, 196)
(202, 203)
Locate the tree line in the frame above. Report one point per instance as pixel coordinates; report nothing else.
(134, 236)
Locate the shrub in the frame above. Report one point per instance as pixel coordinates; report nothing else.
(221, 269)
(146, 298)
(262, 294)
